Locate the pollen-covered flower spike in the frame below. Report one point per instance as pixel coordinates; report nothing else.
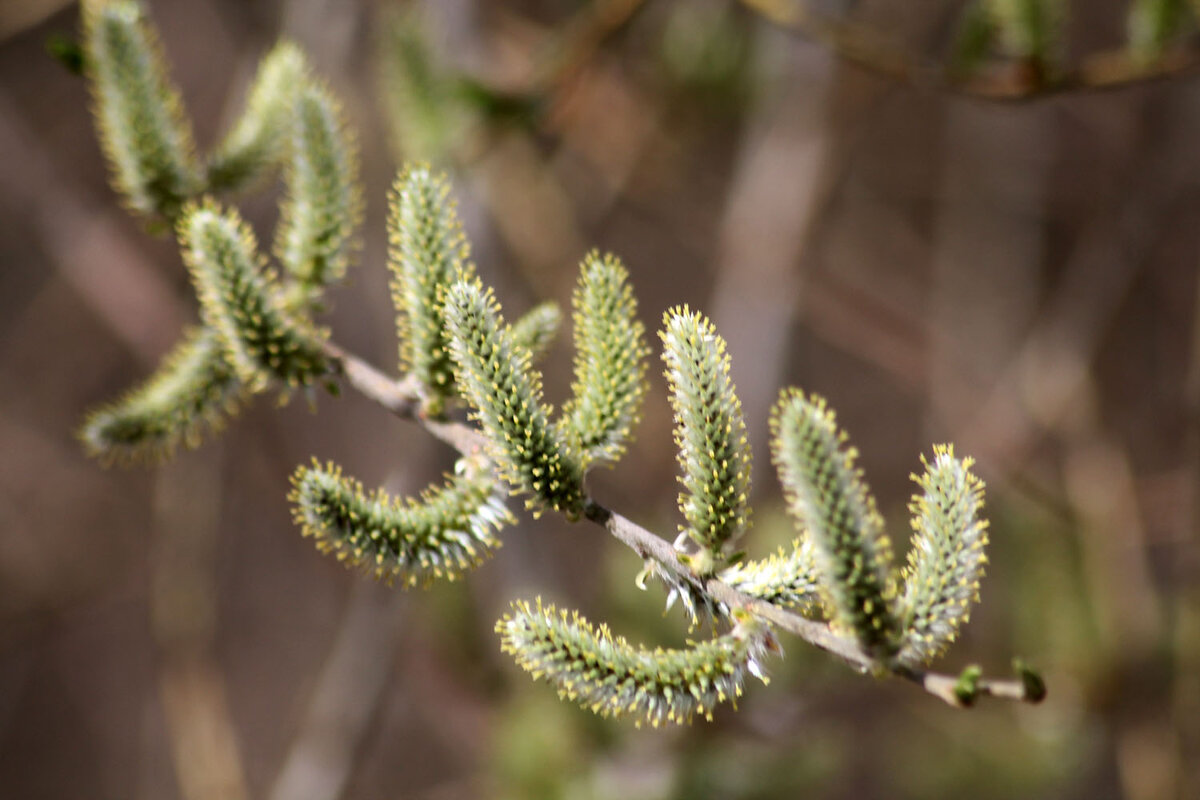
(613, 678)
(143, 129)
(710, 434)
(610, 361)
(258, 140)
(322, 203)
(947, 558)
(827, 496)
(239, 301)
(192, 392)
(448, 531)
(427, 252)
(784, 579)
(495, 377)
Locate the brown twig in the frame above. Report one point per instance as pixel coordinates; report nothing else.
(1011, 81)
(402, 398)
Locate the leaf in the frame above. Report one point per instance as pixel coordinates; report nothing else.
(139, 114)
(239, 301)
(192, 392)
(322, 205)
(258, 141)
(709, 432)
(495, 377)
(448, 531)
(613, 678)
(610, 361)
(947, 557)
(427, 252)
(827, 496)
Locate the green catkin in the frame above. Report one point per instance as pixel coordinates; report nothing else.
(612, 678)
(427, 251)
(322, 205)
(947, 558)
(139, 114)
(448, 531)
(193, 391)
(610, 361)
(239, 300)
(505, 392)
(258, 140)
(427, 120)
(828, 498)
(709, 433)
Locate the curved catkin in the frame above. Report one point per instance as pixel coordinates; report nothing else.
(613, 678)
(610, 361)
(495, 377)
(239, 301)
(322, 200)
(193, 391)
(143, 130)
(709, 432)
(947, 558)
(258, 140)
(828, 498)
(448, 531)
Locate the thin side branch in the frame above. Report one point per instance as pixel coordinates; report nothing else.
(402, 398)
(1010, 81)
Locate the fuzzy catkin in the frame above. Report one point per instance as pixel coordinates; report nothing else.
(447, 531)
(613, 678)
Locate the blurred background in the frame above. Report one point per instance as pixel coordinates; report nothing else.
(1019, 278)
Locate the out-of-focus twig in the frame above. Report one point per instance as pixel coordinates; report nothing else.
(183, 609)
(767, 221)
(1015, 81)
(321, 759)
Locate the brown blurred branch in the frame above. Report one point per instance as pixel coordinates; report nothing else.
(401, 398)
(1016, 80)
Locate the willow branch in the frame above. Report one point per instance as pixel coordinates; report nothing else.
(1012, 81)
(402, 398)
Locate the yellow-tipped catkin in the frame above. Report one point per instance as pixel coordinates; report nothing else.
(448, 531)
(829, 499)
(505, 392)
(258, 140)
(610, 677)
(240, 301)
(947, 558)
(709, 432)
(139, 114)
(193, 391)
(610, 361)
